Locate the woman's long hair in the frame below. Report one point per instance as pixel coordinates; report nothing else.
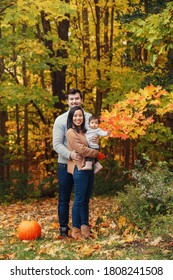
(70, 123)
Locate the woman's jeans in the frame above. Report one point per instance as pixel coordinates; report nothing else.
(65, 181)
(83, 186)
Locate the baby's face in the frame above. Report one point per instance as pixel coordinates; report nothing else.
(94, 124)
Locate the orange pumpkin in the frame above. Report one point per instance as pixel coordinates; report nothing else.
(29, 230)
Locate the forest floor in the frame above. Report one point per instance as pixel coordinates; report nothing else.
(107, 242)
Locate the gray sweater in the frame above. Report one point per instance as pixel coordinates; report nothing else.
(59, 136)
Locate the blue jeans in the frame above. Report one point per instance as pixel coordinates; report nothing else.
(83, 186)
(65, 180)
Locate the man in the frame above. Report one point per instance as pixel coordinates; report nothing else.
(65, 179)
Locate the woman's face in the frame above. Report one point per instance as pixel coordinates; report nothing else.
(78, 118)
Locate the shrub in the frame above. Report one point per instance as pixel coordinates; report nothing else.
(108, 179)
(157, 143)
(17, 187)
(149, 194)
(48, 187)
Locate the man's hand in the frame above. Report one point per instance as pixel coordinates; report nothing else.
(75, 156)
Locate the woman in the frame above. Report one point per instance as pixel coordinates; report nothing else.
(83, 179)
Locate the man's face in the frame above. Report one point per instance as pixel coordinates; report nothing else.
(74, 100)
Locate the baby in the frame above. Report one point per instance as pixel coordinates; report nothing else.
(93, 130)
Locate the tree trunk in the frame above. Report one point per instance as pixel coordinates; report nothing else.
(86, 36)
(58, 76)
(18, 138)
(4, 152)
(112, 32)
(25, 83)
(127, 154)
(97, 31)
(4, 162)
(147, 5)
(106, 38)
(169, 64)
(86, 45)
(59, 85)
(14, 58)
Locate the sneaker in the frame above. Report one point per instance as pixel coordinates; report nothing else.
(64, 231)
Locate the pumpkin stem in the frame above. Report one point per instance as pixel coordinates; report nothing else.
(29, 218)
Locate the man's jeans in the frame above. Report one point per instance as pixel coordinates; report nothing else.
(83, 186)
(65, 181)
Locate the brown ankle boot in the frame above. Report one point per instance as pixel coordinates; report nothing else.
(76, 233)
(85, 230)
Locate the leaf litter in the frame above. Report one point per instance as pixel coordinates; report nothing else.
(111, 233)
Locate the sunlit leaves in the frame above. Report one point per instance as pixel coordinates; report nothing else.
(155, 31)
(131, 117)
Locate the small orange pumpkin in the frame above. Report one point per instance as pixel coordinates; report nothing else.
(29, 230)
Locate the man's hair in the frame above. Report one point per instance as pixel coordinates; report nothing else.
(93, 118)
(73, 91)
(70, 123)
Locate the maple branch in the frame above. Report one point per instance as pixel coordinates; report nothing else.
(39, 112)
(12, 74)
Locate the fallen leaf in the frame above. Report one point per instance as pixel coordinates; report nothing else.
(121, 222)
(156, 241)
(88, 250)
(55, 225)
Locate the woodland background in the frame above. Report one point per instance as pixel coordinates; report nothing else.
(120, 55)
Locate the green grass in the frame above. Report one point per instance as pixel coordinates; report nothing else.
(108, 241)
(94, 249)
